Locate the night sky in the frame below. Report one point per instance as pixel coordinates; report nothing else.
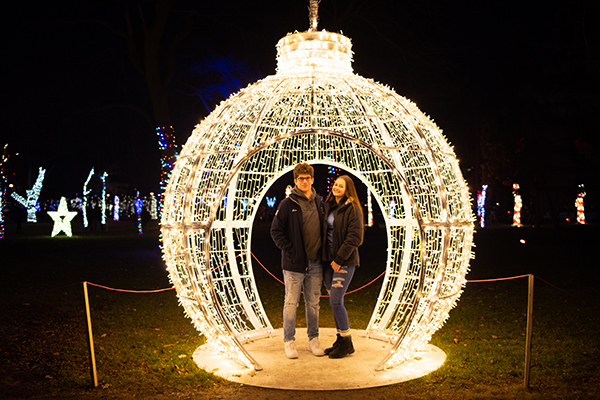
(515, 85)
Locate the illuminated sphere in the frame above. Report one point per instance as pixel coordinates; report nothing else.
(316, 110)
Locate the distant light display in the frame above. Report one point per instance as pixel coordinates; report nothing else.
(2, 191)
(116, 208)
(271, 201)
(392, 209)
(369, 209)
(288, 191)
(85, 200)
(168, 148)
(62, 218)
(332, 174)
(139, 205)
(103, 204)
(316, 110)
(3, 186)
(579, 205)
(518, 205)
(481, 194)
(153, 206)
(31, 202)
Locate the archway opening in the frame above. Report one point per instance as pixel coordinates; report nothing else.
(266, 257)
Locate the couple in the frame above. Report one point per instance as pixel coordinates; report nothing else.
(308, 231)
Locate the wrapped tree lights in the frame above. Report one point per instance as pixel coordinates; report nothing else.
(86, 191)
(103, 203)
(116, 208)
(579, 205)
(31, 202)
(518, 205)
(316, 110)
(481, 194)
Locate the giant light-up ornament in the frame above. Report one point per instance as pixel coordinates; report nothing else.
(316, 110)
(30, 203)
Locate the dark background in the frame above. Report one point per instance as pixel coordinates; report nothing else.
(513, 84)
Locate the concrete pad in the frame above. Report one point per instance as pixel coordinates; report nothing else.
(308, 372)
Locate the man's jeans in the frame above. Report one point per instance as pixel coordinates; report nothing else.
(337, 284)
(310, 282)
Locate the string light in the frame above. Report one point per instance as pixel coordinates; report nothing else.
(369, 209)
(332, 174)
(316, 110)
(116, 209)
(481, 205)
(2, 191)
(166, 144)
(103, 205)
(3, 187)
(139, 205)
(62, 218)
(85, 200)
(392, 208)
(518, 205)
(579, 205)
(153, 206)
(31, 202)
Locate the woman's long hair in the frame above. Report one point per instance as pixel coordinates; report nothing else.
(351, 195)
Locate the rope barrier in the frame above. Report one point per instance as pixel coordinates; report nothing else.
(498, 279)
(279, 280)
(269, 272)
(128, 291)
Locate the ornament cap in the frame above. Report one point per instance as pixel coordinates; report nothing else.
(314, 51)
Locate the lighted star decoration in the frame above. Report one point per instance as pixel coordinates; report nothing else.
(62, 218)
(316, 110)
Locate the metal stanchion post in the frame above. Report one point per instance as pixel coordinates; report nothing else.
(90, 336)
(529, 328)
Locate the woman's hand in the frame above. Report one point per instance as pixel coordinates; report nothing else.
(336, 267)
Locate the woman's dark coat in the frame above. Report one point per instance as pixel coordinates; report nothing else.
(348, 229)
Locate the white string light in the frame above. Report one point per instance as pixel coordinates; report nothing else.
(518, 205)
(30, 203)
(579, 205)
(85, 193)
(103, 216)
(316, 110)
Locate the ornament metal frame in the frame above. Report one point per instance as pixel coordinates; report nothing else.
(316, 110)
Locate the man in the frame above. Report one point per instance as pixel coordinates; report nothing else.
(296, 230)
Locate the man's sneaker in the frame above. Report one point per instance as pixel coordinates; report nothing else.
(315, 347)
(290, 349)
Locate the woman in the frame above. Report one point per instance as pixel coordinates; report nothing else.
(344, 234)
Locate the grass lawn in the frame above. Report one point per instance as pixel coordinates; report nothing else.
(144, 342)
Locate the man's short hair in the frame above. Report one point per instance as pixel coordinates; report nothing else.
(303, 169)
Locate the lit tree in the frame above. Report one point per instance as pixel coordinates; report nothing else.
(31, 202)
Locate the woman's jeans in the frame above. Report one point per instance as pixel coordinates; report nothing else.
(310, 283)
(337, 284)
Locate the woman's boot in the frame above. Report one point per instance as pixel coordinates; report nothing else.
(335, 344)
(344, 348)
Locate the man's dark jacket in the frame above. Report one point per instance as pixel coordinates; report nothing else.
(287, 231)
